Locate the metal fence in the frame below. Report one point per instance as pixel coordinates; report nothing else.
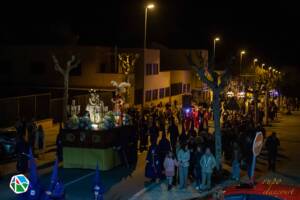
(28, 107)
(40, 106)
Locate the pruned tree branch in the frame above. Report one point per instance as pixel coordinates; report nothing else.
(200, 71)
(224, 79)
(57, 66)
(73, 63)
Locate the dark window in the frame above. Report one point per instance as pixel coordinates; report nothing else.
(102, 68)
(148, 95)
(161, 93)
(106, 68)
(154, 68)
(138, 96)
(176, 89)
(5, 66)
(148, 69)
(37, 67)
(76, 71)
(167, 91)
(154, 94)
(188, 88)
(151, 69)
(184, 88)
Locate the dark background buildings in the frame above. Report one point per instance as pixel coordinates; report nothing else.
(267, 31)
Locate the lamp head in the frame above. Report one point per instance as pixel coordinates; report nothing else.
(150, 6)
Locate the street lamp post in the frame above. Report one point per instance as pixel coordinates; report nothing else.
(214, 50)
(254, 61)
(149, 6)
(241, 59)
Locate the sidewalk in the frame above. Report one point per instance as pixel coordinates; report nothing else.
(9, 167)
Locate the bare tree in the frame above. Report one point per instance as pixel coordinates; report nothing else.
(71, 64)
(216, 82)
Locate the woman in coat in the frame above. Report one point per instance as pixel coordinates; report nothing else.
(153, 170)
(208, 163)
(169, 164)
(183, 157)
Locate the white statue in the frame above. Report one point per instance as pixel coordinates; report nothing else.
(95, 107)
(73, 109)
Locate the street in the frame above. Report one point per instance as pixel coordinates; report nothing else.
(123, 183)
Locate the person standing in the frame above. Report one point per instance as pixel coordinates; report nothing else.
(59, 145)
(183, 157)
(272, 144)
(154, 132)
(208, 163)
(31, 130)
(169, 164)
(235, 175)
(152, 169)
(41, 139)
(183, 138)
(174, 134)
(143, 134)
(164, 147)
(197, 171)
(22, 151)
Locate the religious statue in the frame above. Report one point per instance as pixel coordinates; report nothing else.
(127, 62)
(73, 109)
(118, 100)
(95, 107)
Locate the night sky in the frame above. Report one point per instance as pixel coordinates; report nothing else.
(268, 32)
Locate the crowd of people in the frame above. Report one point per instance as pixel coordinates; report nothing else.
(182, 148)
(179, 146)
(29, 135)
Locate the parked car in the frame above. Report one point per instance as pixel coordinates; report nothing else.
(263, 191)
(7, 144)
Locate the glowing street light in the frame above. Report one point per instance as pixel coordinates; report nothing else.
(149, 6)
(254, 61)
(214, 52)
(241, 59)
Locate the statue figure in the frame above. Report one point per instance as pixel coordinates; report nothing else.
(73, 109)
(127, 62)
(95, 107)
(118, 100)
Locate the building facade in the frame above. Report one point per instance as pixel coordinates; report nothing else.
(160, 75)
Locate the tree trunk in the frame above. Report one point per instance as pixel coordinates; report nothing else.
(266, 108)
(66, 95)
(255, 95)
(217, 124)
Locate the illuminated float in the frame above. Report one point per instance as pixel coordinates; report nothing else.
(95, 134)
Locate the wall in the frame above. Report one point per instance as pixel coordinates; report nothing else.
(91, 59)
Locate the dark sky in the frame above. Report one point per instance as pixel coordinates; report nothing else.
(269, 32)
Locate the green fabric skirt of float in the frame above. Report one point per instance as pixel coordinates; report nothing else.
(86, 158)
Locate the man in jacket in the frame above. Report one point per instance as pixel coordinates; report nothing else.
(272, 144)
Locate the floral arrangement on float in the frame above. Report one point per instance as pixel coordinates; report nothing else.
(96, 115)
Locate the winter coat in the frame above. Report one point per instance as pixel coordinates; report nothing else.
(183, 158)
(152, 168)
(169, 165)
(208, 163)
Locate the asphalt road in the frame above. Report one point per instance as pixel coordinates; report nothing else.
(122, 183)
